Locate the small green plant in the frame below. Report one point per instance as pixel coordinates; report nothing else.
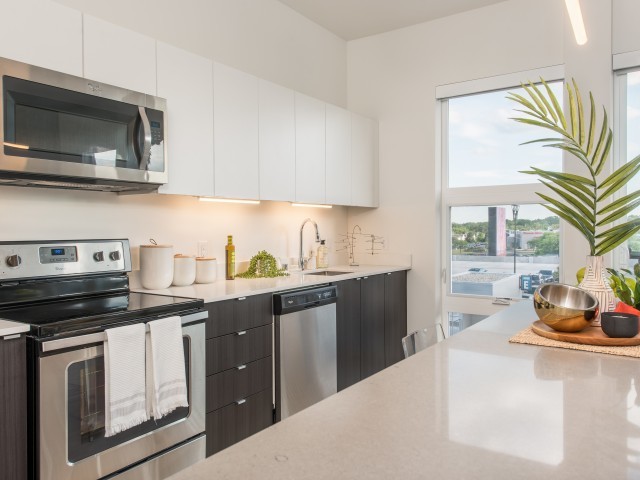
(263, 265)
(626, 286)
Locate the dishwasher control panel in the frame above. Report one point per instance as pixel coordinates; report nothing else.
(297, 300)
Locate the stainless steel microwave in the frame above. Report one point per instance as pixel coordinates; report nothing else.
(62, 131)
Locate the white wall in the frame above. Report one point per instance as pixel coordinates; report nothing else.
(43, 214)
(261, 37)
(393, 77)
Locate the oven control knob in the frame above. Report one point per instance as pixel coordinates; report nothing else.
(114, 255)
(13, 261)
(98, 256)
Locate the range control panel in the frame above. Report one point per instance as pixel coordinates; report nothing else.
(25, 260)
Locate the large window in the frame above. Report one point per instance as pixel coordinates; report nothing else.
(627, 130)
(498, 243)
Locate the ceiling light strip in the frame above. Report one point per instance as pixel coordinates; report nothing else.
(311, 205)
(577, 22)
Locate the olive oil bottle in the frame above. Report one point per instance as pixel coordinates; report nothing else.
(230, 256)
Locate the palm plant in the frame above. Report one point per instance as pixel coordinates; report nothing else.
(585, 201)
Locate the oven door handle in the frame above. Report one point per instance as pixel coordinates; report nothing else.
(100, 337)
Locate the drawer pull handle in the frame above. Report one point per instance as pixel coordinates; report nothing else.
(365, 277)
(241, 298)
(241, 367)
(240, 402)
(389, 273)
(241, 333)
(359, 278)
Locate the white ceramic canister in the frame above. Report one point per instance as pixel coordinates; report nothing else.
(206, 269)
(184, 270)
(156, 266)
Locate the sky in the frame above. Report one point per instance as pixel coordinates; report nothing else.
(484, 143)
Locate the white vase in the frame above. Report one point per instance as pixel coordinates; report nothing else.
(595, 282)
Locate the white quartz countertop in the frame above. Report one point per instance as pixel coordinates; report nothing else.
(8, 327)
(471, 407)
(224, 289)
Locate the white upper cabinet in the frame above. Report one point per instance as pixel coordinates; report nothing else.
(235, 133)
(364, 161)
(42, 33)
(277, 142)
(338, 156)
(310, 149)
(185, 80)
(118, 56)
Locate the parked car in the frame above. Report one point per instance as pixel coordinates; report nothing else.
(477, 270)
(529, 283)
(546, 276)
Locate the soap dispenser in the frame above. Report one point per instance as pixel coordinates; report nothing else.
(322, 259)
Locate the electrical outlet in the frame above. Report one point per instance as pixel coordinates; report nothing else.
(202, 248)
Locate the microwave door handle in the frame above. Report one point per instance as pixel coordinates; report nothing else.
(146, 129)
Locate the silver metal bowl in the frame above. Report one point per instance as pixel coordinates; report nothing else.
(565, 308)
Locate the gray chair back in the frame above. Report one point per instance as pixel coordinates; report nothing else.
(421, 339)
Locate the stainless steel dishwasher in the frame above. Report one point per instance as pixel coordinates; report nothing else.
(305, 348)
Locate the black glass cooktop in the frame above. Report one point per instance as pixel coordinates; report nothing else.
(87, 314)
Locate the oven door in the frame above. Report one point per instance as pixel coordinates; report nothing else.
(71, 439)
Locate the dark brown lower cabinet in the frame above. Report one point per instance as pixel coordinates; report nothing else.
(348, 332)
(239, 370)
(371, 321)
(372, 303)
(395, 315)
(235, 422)
(13, 408)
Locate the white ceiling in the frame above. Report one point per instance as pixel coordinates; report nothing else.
(352, 19)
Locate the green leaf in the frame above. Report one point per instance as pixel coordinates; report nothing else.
(541, 140)
(621, 212)
(621, 201)
(603, 156)
(585, 226)
(536, 123)
(573, 113)
(592, 124)
(569, 187)
(535, 98)
(556, 104)
(624, 171)
(577, 152)
(572, 201)
(546, 103)
(620, 229)
(580, 113)
(602, 139)
(522, 101)
(571, 221)
(611, 243)
(568, 177)
(621, 182)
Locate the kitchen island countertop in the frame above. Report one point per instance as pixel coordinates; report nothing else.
(12, 328)
(473, 406)
(225, 289)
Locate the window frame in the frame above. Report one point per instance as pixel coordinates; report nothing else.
(450, 197)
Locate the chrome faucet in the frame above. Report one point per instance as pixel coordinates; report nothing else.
(301, 262)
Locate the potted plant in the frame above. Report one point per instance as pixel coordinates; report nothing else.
(587, 202)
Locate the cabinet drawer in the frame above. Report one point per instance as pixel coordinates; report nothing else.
(238, 421)
(237, 383)
(238, 348)
(238, 314)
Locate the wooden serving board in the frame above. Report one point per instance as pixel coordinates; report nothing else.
(588, 336)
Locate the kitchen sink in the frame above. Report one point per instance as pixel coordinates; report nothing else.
(327, 273)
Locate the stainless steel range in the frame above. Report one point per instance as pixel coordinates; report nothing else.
(70, 292)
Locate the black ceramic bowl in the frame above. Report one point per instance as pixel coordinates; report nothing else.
(619, 325)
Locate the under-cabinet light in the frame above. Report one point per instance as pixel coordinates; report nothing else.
(312, 205)
(16, 145)
(577, 23)
(229, 200)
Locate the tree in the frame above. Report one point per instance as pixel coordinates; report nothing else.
(547, 244)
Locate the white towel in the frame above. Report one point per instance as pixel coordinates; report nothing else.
(166, 378)
(124, 376)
